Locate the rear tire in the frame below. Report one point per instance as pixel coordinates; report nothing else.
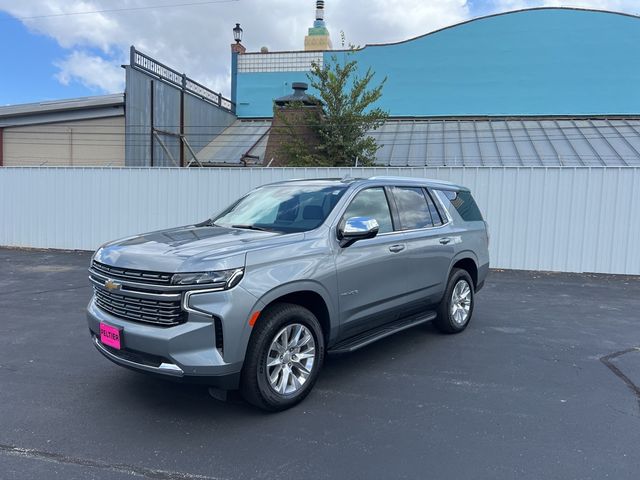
(284, 358)
(456, 308)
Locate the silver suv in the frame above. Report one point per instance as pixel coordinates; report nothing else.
(254, 297)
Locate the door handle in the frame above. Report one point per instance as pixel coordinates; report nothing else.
(396, 248)
(445, 240)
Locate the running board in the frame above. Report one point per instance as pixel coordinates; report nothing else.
(366, 338)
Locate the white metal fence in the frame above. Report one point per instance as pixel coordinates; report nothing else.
(583, 219)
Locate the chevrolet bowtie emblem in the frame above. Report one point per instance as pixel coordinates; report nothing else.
(111, 285)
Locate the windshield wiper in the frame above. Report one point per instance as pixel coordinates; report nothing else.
(206, 223)
(251, 227)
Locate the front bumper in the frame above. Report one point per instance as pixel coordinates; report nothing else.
(186, 351)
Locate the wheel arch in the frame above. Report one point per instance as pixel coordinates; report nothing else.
(467, 261)
(309, 295)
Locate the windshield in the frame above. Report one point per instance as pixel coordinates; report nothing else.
(283, 208)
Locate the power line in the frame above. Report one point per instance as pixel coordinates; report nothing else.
(390, 137)
(409, 157)
(125, 9)
(245, 124)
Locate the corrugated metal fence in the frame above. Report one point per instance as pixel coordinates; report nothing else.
(582, 219)
(202, 120)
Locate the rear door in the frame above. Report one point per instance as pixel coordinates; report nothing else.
(371, 273)
(429, 246)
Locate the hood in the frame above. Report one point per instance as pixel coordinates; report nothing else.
(188, 249)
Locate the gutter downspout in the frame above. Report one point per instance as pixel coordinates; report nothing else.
(70, 147)
(1, 146)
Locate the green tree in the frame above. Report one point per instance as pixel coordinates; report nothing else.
(347, 115)
(347, 99)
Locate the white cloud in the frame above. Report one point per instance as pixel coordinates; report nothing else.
(196, 39)
(92, 71)
(626, 6)
(381, 21)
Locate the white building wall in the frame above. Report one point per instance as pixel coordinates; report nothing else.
(279, 61)
(96, 142)
(582, 219)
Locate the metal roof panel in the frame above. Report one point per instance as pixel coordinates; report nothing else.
(521, 141)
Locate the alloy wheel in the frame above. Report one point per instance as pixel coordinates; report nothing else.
(290, 359)
(460, 302)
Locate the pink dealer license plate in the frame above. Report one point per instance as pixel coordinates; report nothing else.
(111, 336)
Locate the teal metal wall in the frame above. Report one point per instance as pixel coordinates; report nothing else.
(548, 61)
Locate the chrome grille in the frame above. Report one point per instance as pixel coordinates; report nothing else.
(156, 278)
(149, 310)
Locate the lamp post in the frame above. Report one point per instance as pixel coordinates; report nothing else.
(236, 49)
(237, 33)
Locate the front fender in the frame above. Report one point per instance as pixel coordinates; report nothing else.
(301, 286)
(293, 287)
(306, 286)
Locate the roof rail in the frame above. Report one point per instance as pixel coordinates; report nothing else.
(417, 179)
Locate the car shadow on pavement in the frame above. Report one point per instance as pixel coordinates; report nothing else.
(165, 397)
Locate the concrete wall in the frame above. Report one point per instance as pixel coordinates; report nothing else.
(534, 62)
(97, 142)
(582, 219)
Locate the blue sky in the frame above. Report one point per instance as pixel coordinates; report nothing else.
(30, 70)
(80, 55)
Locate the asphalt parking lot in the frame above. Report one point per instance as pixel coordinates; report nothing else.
(543, 384)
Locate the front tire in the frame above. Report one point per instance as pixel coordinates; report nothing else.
(283, 358)
(456, 308)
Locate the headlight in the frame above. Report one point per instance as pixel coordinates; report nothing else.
(221, 278)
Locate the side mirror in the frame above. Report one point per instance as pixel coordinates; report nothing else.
(357, 228)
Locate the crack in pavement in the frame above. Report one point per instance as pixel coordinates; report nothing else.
(607, 360)
(83, 462)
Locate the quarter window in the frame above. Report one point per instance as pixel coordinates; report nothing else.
(371, 202)
(464, 204)
(413, 209)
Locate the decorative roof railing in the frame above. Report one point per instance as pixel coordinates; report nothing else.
(145, 63)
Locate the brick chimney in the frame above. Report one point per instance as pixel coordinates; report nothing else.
(238, 48)
(291, 116)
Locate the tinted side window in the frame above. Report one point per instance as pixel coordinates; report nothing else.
(412, 208)
(435, 213)
(371, 202)
(464, 204)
